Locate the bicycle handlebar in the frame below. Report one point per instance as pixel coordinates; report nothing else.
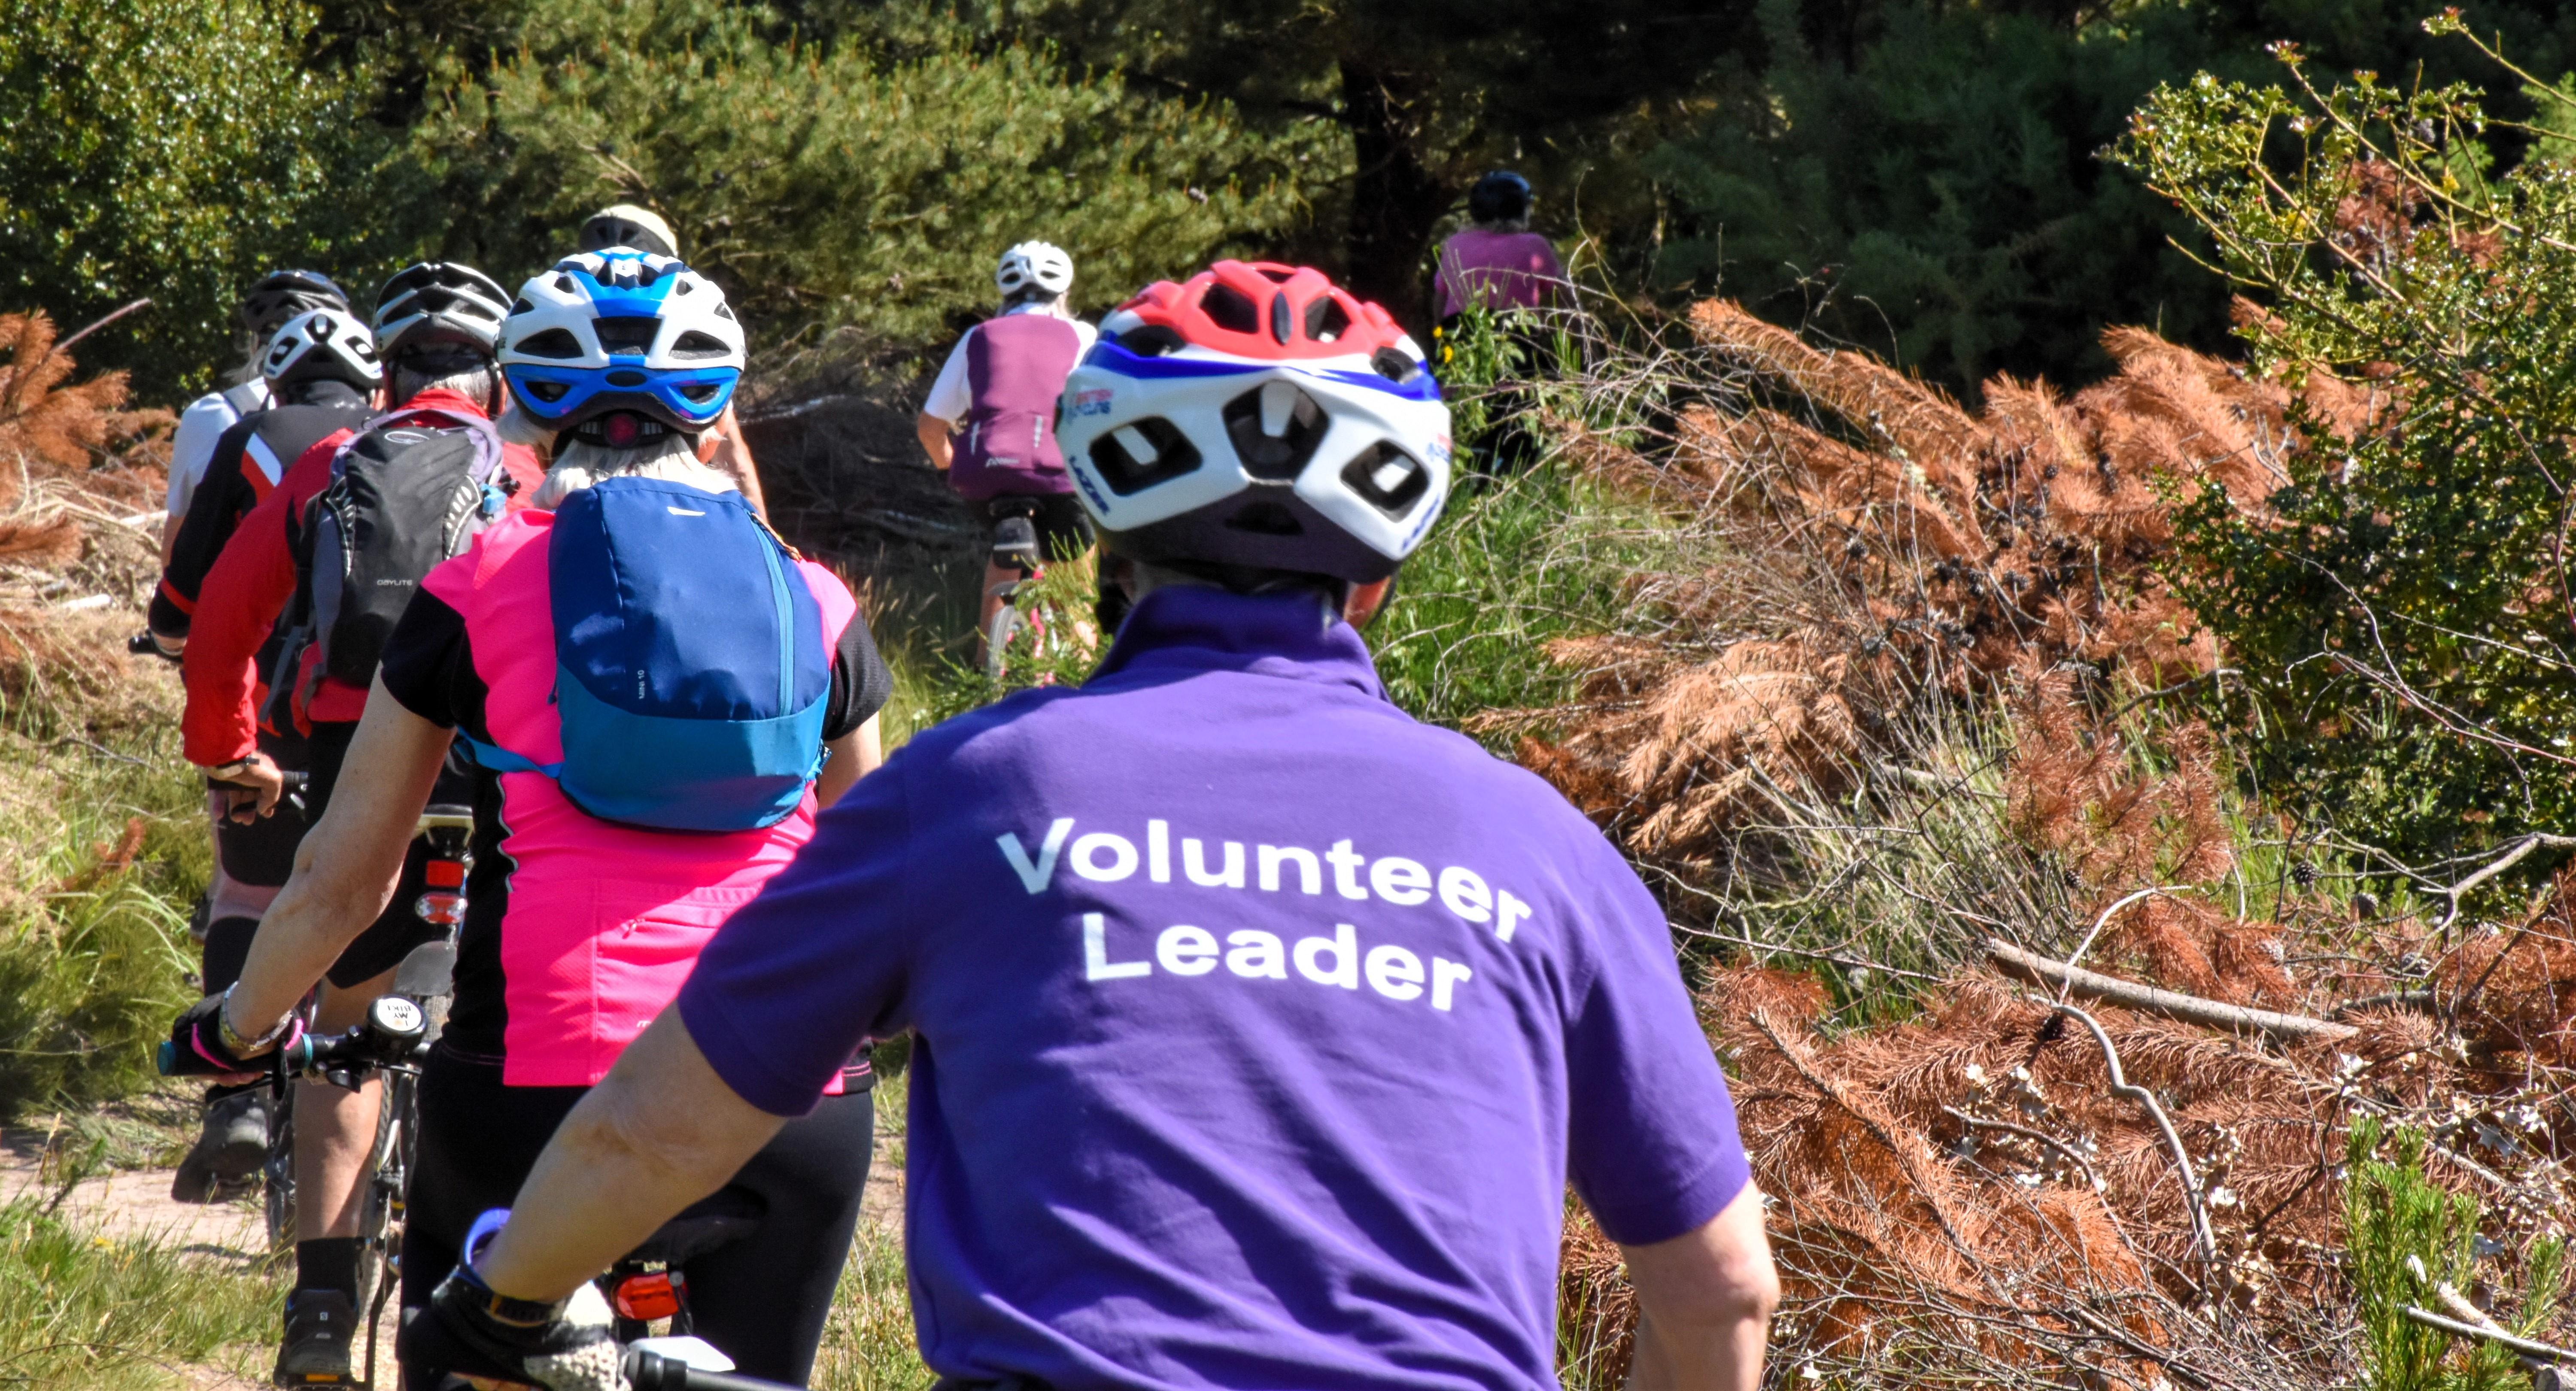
(390, 1037)
(651, 1371)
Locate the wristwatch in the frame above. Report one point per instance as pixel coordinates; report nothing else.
(234, 1043)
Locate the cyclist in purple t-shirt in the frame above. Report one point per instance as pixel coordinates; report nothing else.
(1259, 1029)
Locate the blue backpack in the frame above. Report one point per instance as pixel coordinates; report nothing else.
(691, 675)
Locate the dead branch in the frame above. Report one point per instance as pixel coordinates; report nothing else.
(2528, 1347)
(2503, 862)
(2202, 1241)
(2038, 970)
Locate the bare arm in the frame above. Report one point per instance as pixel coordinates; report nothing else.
(661, 1131)
(854, 755)
(934, 434)
(346, 867)
(1704, 1299)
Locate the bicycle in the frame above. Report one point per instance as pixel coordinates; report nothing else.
(1043, 633)
(392, 1043)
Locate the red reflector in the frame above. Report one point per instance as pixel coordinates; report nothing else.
(446, 874)
(647, 1297)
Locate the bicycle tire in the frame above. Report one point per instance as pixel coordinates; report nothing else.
(277, 1172)
(998, 637)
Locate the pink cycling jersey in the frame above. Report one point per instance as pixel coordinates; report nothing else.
(1499, 270)
(603, 921)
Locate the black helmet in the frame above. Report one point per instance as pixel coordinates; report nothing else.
(439, 304)
(1501, 196)
(280, 295)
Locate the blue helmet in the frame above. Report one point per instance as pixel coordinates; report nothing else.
(622, 330)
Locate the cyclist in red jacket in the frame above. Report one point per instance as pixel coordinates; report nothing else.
(436, 326)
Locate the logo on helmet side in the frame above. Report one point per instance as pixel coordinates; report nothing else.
(1092, 402)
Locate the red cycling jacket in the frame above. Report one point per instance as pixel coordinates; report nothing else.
(250, 584)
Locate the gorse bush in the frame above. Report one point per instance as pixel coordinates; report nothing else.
(2401, 606)
(2408, 1235)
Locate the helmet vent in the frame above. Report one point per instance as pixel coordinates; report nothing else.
(554, 342)
(1282, 323)
(1274, 429)
(1265, 519)
(627, 334)
(724, 311)
(1327, 320)
(1393, 365)
(1152, 340)
(564, 283)
(548, 391)
(694, 345)
(1387, 478)
(701, 392)
(1137, 456)
(1232, 310)
(521, 306)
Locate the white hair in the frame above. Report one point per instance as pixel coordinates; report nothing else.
(474, 383)
(580, 463)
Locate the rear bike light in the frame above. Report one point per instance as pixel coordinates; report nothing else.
(441, 909)
(645, 1298)
(446, 874)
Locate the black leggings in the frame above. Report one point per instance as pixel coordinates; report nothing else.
(762, 1299)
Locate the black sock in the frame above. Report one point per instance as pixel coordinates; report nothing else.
(329, 1263)
(227, 947)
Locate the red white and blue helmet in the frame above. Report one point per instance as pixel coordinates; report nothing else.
(622, 331)
(1257, 416)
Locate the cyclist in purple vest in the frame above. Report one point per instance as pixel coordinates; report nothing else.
(1259, 1029)
(990, 421)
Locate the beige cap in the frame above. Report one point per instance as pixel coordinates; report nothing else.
(624, 224)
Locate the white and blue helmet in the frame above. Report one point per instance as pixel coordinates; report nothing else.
(622, 331)
(1257, 416)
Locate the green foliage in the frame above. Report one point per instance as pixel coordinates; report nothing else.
(87, 1313)
(169, 148)
(1937, 198)
(2405, 1235)
(823, 185)
(1923, 178)
(2403, 616)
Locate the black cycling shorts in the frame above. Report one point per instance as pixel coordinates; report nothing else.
(262, 854)
(400, 928)
(1064, 529)
(762, 1299)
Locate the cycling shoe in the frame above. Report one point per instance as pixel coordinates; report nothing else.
(234, 1140)
(319, 1327)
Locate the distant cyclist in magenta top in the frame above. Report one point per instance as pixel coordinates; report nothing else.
(1259, 1027)
(1499, 262)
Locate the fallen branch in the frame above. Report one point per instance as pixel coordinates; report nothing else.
(2528, 1347)
(2038, 970)
(2202, 1241)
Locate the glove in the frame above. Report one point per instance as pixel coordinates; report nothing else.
(463, 1333)
(198, 1049)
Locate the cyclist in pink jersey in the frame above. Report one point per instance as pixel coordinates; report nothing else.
(1499, 262)
(578, 930)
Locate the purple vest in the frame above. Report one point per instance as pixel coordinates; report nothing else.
(1015, 366)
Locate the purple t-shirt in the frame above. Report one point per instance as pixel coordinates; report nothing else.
(1260, 1026)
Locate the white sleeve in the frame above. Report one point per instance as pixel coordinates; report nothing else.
(192, 447)
(1088, 336)
(950, 395)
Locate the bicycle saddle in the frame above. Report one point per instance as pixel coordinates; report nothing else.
(712, 1223)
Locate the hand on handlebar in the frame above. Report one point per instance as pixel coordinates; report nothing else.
(570, 1347)
(198, 1048)
(254, 791)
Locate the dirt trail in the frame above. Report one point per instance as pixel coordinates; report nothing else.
(135, 1203)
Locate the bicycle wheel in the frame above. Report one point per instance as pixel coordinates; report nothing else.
(278, 1172)
(999, 635)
